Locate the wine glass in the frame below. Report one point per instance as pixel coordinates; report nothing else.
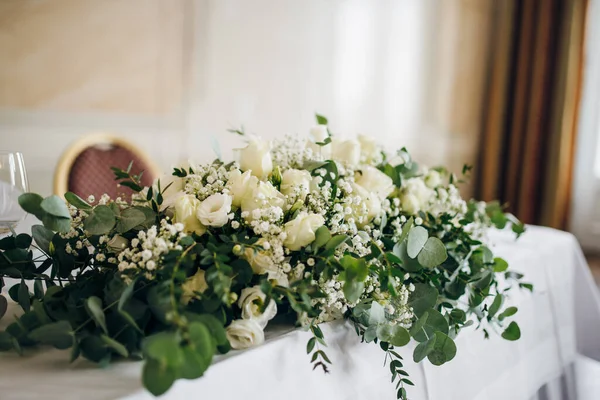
(13, 183)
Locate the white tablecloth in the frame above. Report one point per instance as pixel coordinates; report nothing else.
(560, 323)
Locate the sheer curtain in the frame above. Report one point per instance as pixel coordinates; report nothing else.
(409, 72)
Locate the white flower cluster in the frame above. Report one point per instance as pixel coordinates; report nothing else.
(207, 180)
(144, 254)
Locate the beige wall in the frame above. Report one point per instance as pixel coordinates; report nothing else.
(171, 74)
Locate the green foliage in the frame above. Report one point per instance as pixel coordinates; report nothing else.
(512, 332)
(100, 221)
(52, 211)
(83, 302)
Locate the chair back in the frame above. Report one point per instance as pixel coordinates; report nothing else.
(84, 168)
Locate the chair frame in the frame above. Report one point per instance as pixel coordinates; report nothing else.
(67, 159)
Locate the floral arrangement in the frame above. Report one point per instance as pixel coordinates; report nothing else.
(305, 230)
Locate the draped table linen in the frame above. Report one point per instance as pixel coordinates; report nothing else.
(554, 359)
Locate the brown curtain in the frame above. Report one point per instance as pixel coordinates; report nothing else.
(530, 110)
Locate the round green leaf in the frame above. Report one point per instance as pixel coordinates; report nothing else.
(165, 347)
(435, 322)
(31, 203)
(423, 349)
(443, 350)
(56, 224)
(433, 253)
(422, 298)
(408, 264)
(42, 237)
(353, 290)
(157, 377)
(93, 348)
(100, 221)
(55, 206)
(399, 336)
(129, 219)
(376, 314)
(23, 241)
(512, 332)
(417, 237)
(77, 201)
(500, 265)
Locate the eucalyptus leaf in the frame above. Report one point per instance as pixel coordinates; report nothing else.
(23, 296)
(56, 224)
(77, 201)
(510, 311)
(353, 290)
(32, 203)
(93, 306)
(495, 307)
(399, 336)
(376, 314)
(443, 351)
(164, 346)
(417, 237)
(322, 236)
(100, 221)
(512, 332)
(117, 347)
(500, 265)
(423, 349)
(56, 207)
(435, 322)
(422, 298)
(129, 219)
(58, 334)
(3, 306)
(433, 253)
(157, 377)
(42, 236)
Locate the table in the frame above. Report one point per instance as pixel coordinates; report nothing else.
(556, 357)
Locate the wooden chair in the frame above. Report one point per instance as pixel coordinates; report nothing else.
(84, 168)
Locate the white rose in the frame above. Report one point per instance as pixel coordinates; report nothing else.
(251, 301)
(295, 179)
(278, 278)
(370, 200)
(417, 187)
(174, 189)
(375, 181)
(241, 186)
(346, 151)
(259, 260)
(214, 210)
(318, 134)
(369, 148)
(301, 230)
(244, 333)
(433, 179)
(256, 157)
(185, 213)
(193, 285)
(263, 195)
(117, 244)
(410, 203)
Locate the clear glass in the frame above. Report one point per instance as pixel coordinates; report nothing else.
(13, 183)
